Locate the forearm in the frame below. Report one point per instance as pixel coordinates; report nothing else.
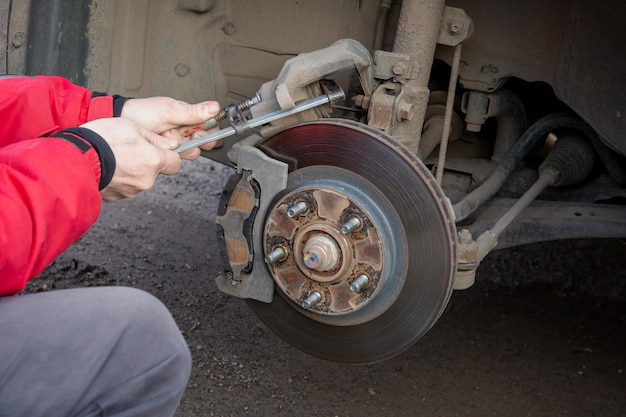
(49, 194)
(32, 107)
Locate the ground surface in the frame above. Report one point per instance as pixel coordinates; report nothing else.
(542, 333)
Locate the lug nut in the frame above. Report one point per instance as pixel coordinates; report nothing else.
(359, 283)
(297, 209)
(351, 225)
(312, 299)
(276, 255)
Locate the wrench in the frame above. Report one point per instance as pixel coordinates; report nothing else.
(334, 95)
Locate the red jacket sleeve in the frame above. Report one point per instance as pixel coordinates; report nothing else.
(32, 107)
(49, 192)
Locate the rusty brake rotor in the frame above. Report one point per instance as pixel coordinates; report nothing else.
(361, 244)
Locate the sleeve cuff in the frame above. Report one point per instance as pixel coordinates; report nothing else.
(103, 105)
(78, 136)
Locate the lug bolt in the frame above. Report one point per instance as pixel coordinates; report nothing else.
(351, 225)
(312, 299)
(359, 283)
(297, 209)
(276, 255)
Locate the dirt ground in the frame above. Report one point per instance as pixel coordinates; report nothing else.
(542, 333)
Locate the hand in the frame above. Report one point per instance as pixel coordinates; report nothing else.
(162, 115)
(140, 156)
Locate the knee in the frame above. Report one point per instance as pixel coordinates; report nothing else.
(148, 326)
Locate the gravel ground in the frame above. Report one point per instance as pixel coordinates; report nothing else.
(540, 334)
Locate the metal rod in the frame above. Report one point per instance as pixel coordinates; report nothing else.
(447, 121)
(416, 36)
(489, 238)
(211, 123)
(256, 122)
(546, 178)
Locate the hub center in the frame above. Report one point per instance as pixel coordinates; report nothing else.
(321, 253)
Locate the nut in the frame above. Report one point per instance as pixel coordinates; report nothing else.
(455, 28)
(399, 68)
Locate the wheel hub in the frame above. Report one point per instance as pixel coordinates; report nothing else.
(332, 234)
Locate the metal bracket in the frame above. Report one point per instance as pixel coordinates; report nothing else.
(299, 73)
(237, 119)
(271, 175)
(393, 65)
(456, 26)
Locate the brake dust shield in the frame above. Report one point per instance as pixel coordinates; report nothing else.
(361, 244)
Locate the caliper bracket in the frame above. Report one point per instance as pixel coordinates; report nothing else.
(263, 177)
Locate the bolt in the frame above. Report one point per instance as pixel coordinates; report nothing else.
(465, 237)
(276, 255)
(18, 39)
(455, 28)
(246, 104)
(359, 283)
(351, 225)
(229, 28)
(404, 111)
(312, 299)
(297, 209)
(243, 106)
(399, 68)
(362, 101)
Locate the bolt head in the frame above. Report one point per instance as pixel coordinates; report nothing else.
(405, 111)
(455, 28)
(399, 68)
(18, 39)
(465, 237)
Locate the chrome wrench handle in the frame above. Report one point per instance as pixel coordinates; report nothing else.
(262, 120)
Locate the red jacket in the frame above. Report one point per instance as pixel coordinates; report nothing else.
(49, 192)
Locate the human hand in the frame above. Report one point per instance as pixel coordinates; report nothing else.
(162, 115)
(140, 156)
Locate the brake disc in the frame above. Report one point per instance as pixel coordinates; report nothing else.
(361, 244)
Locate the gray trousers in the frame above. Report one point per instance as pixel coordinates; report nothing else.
(107, 351)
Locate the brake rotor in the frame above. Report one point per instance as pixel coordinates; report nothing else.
(361, 244)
